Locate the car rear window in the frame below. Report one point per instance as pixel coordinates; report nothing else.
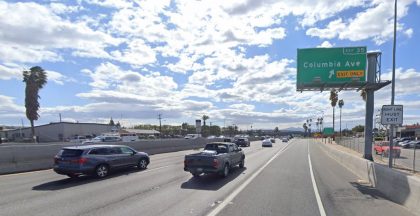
(70, 152)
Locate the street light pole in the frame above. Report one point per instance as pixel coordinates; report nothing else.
(391, 135)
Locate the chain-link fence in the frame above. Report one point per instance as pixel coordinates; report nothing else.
(356, 144)
(409, 157)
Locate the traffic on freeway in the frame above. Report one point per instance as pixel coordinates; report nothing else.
(274, 181)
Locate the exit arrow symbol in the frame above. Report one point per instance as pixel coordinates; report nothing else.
(331, 74)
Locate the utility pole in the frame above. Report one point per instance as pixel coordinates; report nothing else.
(160, 123)
(60, 116)
(391, 135)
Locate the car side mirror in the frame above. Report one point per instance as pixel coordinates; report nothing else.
(133, 153)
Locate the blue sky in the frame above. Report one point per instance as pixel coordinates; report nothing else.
(233, 61)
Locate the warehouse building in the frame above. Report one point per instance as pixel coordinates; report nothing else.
(58, 131)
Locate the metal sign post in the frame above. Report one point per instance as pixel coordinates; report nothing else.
(392, 115)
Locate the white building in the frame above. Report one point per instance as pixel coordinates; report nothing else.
(58, 131)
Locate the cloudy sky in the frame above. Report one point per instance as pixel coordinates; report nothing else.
(234, 61)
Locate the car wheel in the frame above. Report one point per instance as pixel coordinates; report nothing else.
(142, 164)
(101, 171)
(225, 171)
(242, 163)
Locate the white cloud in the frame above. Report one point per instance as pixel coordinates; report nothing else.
(48, 31)
(8, 106)
(14, 71)
(409, 32)
(111, 3)
(137, 54)
(331, 31)
(326, 44)
(374, 23)
(247, 107)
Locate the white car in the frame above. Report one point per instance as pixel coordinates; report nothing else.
(192, 136)
(100, 139)
(284, 139)
(267, 143)
(211, 137)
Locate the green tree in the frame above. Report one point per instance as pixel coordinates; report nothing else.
(340, 105)
(35, 80)
(276, 130)
(333, 99)
(358, 128)
(205, 118)
(305, 128)
(111, 122)
(363, 94)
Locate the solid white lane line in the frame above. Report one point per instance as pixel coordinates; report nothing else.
(318, 197)
(228, 199)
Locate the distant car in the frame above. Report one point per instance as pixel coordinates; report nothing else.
(415, 143)
(267, 143)
(97, 160)
(404, 144)
(78, 139)
(221, 136)
(192, 136)
(284, 139)
(242, 142)
(382, 147)
(273, 140)
(129, 137)
(231, 140)
(211, 137)
(102, 138)
(3, 140)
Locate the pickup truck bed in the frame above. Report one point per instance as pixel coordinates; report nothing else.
(216, 158)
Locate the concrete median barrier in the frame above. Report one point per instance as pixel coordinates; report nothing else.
(22, 158)
(399, 187)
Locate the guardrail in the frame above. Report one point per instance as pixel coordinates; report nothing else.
(21, 158)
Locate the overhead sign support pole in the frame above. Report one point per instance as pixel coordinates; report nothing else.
(370, 99)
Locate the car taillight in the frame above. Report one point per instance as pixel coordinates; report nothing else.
(215, 163)
(56, 160)
(185, 162)
(80, 161)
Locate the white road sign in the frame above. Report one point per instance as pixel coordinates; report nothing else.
(392, 115)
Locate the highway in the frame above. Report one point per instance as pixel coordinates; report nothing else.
(295, 178)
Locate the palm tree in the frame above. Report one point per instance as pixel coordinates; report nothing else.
(205, 117)
(340, 104)
(35, 79)
(305, 127)
(363, 94)
(333, 99)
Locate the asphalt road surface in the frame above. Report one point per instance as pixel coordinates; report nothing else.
(275, 181)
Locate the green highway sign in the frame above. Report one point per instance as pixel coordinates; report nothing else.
(328, 131)
(324, 68)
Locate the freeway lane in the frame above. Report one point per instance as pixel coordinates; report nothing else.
(163, 189)
(285, 188)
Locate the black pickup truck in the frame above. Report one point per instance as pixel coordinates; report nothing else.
(217, 157)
